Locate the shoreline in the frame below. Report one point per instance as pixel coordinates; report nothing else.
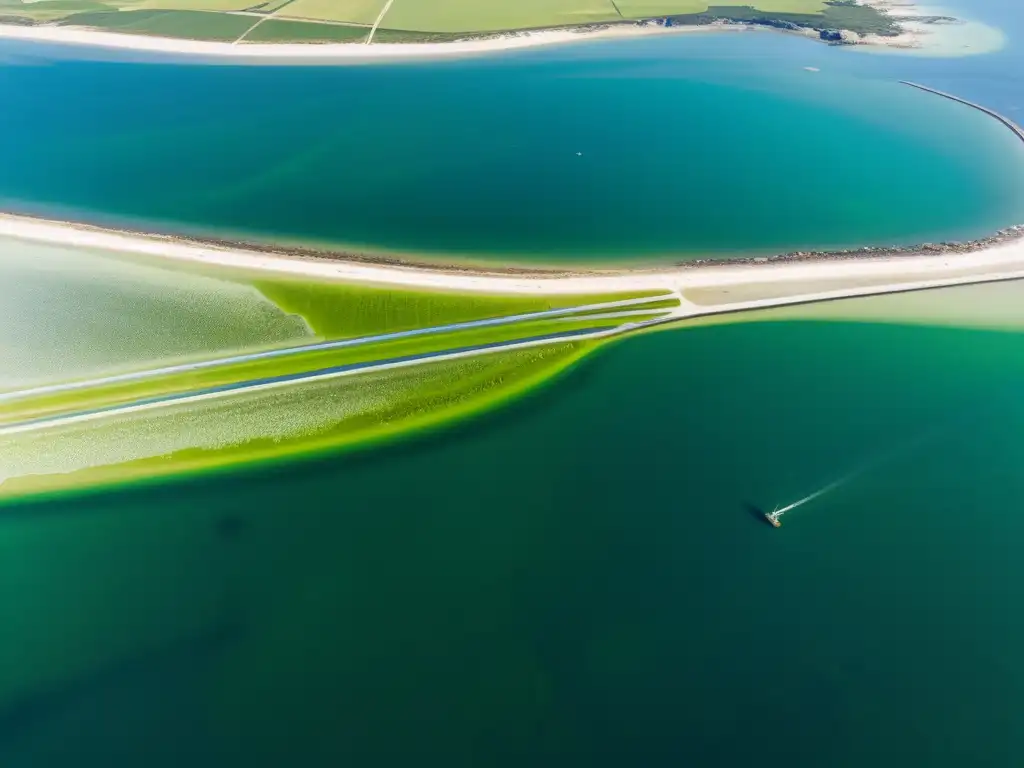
(484, 43)
(1017, 130)
(704, 290)
(976, 261)
(930, 30)
(352, 52)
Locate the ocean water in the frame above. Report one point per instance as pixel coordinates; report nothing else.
(581, 579)
(474, 599)
(625, 151)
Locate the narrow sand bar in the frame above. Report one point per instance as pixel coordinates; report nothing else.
(756, 283)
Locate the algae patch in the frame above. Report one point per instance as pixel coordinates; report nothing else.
(302, 419)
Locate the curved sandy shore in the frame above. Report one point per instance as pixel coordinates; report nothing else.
(769, 283)
(339, 51)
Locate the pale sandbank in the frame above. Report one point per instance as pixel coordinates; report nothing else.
(931, 31)
(706, 286)
(354, 52)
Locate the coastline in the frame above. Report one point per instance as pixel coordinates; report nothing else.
(908, 38)
(927, 30)
(705, 290)
(352, 52)
(998, 257)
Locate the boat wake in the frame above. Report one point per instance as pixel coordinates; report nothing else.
(778, 512)
(775, 514)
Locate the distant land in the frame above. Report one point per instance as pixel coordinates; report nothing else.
(487, 23)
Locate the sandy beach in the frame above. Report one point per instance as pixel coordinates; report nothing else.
(353, 52)
(922, 34)
(913, 37)
(764, 283)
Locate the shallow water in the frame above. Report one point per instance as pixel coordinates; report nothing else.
(611, 596)
(581, 579)
(630, 151)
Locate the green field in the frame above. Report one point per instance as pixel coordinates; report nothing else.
(189, 25)
(476, 16)
(283, 31)
(320, 21)
(48, 10)
(351, 11)
(185, 5)
(645, 9)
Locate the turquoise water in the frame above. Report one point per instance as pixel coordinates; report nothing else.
(578, 580)
(690, 146)
(581, 579)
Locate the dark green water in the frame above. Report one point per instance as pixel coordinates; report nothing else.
(711, 145)
(573, 581)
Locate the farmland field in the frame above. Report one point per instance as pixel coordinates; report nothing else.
(352, 11)
(186, 5)
(190, 25)
(314, 21)
(288, 31)
(472, 16)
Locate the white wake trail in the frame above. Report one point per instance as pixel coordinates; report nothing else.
(884, 457)
(820, 492)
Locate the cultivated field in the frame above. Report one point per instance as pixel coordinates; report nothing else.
(314, 21)
(475, 16)
(351, 11)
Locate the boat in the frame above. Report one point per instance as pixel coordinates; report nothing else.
(773, 519)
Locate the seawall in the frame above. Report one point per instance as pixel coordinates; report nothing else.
(992, 113)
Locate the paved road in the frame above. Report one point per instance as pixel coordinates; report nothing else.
(380, 18)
